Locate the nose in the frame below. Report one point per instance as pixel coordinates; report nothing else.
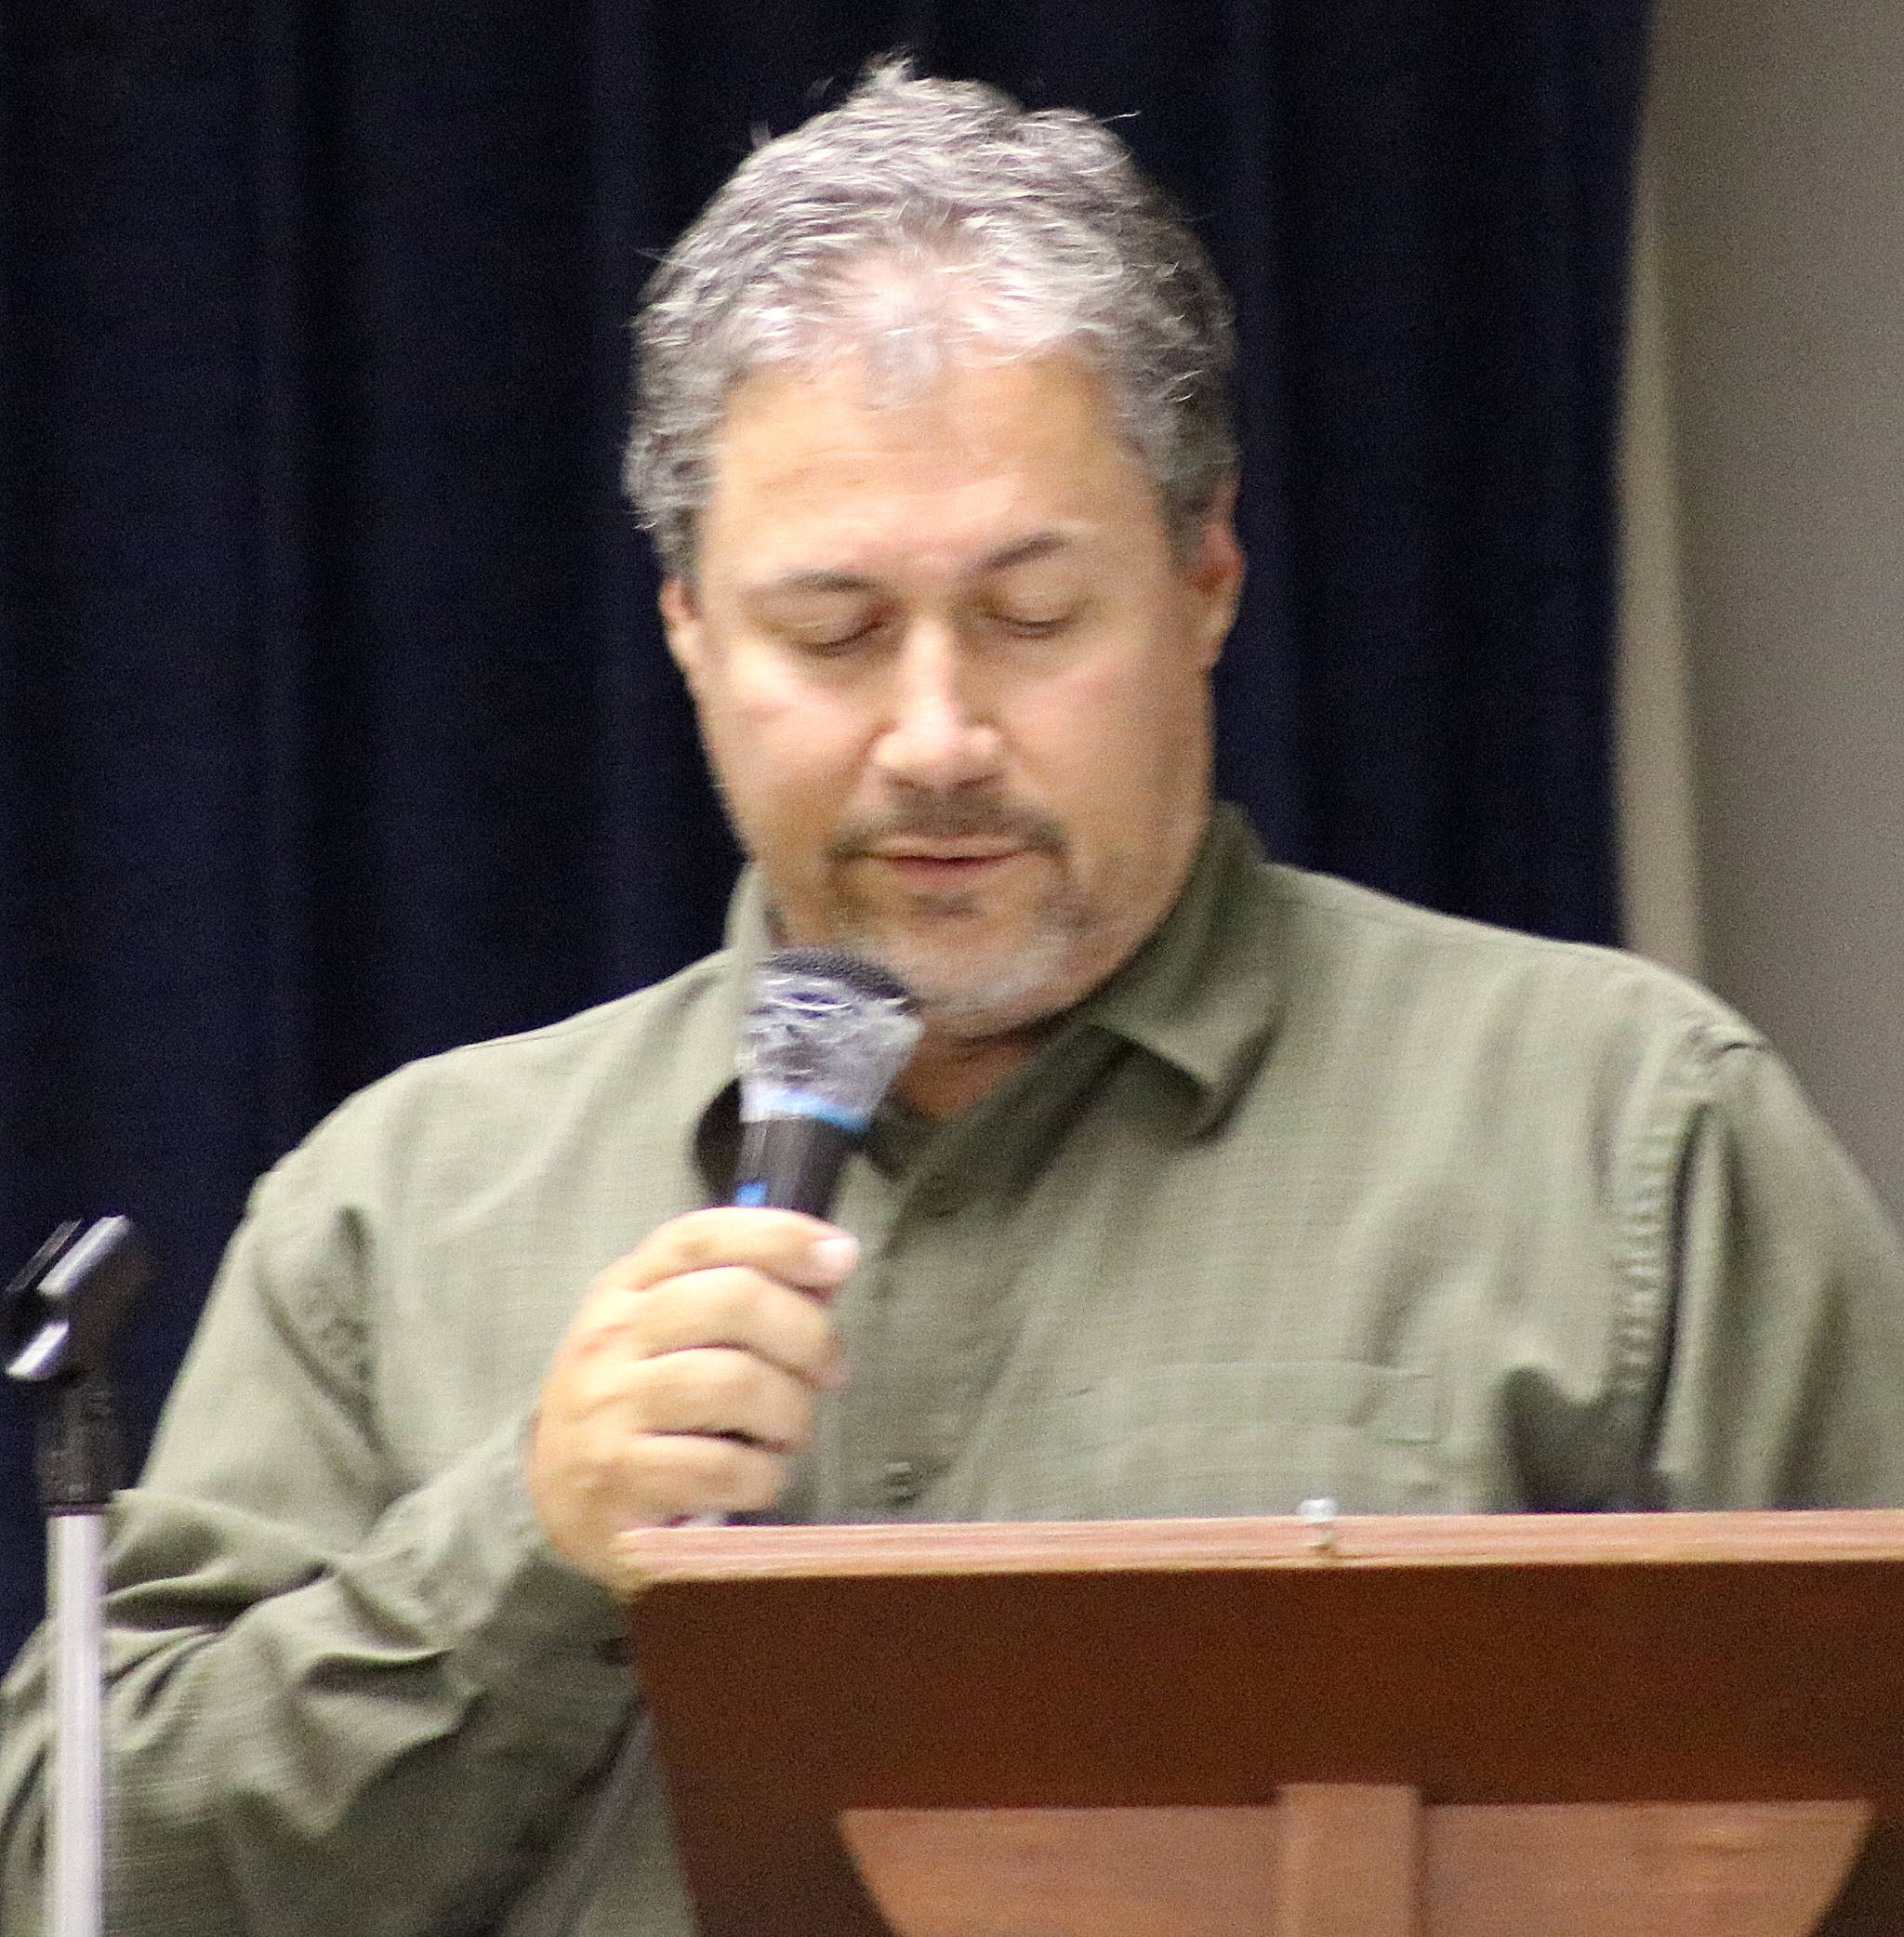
(934, 736)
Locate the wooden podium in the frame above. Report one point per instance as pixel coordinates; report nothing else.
(1622, 1725)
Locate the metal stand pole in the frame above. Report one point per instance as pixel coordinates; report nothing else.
(59, 1317)
(75, 1579)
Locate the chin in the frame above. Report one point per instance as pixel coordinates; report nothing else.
(972, 993)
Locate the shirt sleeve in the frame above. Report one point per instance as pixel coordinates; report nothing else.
(1786, 1381)
(334, 1706)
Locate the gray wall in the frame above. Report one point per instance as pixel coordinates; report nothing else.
(1777, 157)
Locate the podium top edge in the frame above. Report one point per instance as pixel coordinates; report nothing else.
(660, 1555)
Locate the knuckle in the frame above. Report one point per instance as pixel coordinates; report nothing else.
(680, 1245)
(694, 1241)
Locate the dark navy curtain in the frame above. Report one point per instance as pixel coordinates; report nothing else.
(335, 725)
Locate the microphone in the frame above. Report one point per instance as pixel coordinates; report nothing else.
(825, 1034)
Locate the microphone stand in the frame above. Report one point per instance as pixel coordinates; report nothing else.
(59, 1315)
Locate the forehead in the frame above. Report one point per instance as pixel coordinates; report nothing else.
(827, 469)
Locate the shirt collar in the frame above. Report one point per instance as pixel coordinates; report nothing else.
(1205, 991)
(1202, 993)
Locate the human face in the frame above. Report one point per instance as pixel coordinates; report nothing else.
(952, 677)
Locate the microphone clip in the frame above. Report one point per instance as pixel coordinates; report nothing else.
(59, 1317)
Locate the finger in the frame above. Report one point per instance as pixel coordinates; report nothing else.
(718, 1392)
(590, 1479)
(795, 1249)
(684, 1474)
(742, 1308)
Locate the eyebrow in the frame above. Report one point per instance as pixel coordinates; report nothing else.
(1038, 545)
(820, 579)
(814, 580)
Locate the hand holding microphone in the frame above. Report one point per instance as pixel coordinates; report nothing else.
(690, 1372)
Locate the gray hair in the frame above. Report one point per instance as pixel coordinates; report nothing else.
(916, 213)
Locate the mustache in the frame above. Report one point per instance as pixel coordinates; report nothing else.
(948, 817)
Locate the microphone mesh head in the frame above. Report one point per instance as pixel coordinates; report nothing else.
(823, 1035)
(855, 972)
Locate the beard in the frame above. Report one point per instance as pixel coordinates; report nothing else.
(967, 985)
(971, 994)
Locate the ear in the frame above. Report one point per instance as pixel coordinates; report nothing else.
(680, 619)
(1213, 573)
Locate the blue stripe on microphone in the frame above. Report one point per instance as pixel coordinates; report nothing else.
(763, 1103)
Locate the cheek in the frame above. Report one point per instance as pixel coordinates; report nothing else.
(785, 760)
(1118, 736)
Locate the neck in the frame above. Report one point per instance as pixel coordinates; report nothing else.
(950, 1073)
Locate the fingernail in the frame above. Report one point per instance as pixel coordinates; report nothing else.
(833, 1259)
(837, 1376)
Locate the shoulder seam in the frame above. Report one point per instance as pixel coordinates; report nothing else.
(597, 1016)
(1703, 1013)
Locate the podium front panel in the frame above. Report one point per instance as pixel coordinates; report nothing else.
(796, 1673)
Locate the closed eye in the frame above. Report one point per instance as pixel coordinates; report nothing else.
(820, 613)
(1034, 624)
(837, 641)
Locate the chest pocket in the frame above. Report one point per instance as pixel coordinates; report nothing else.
(1233, 1438)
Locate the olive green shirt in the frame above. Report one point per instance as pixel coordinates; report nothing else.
(1321, 1195)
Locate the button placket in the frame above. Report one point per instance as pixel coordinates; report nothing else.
(901, 1482)
(924, 1265)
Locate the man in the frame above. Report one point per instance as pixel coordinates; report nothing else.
(1211, 1186)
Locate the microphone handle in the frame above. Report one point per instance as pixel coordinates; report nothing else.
(792, 1163)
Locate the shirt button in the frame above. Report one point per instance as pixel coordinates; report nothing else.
(940, 1196)
(901, 1482)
